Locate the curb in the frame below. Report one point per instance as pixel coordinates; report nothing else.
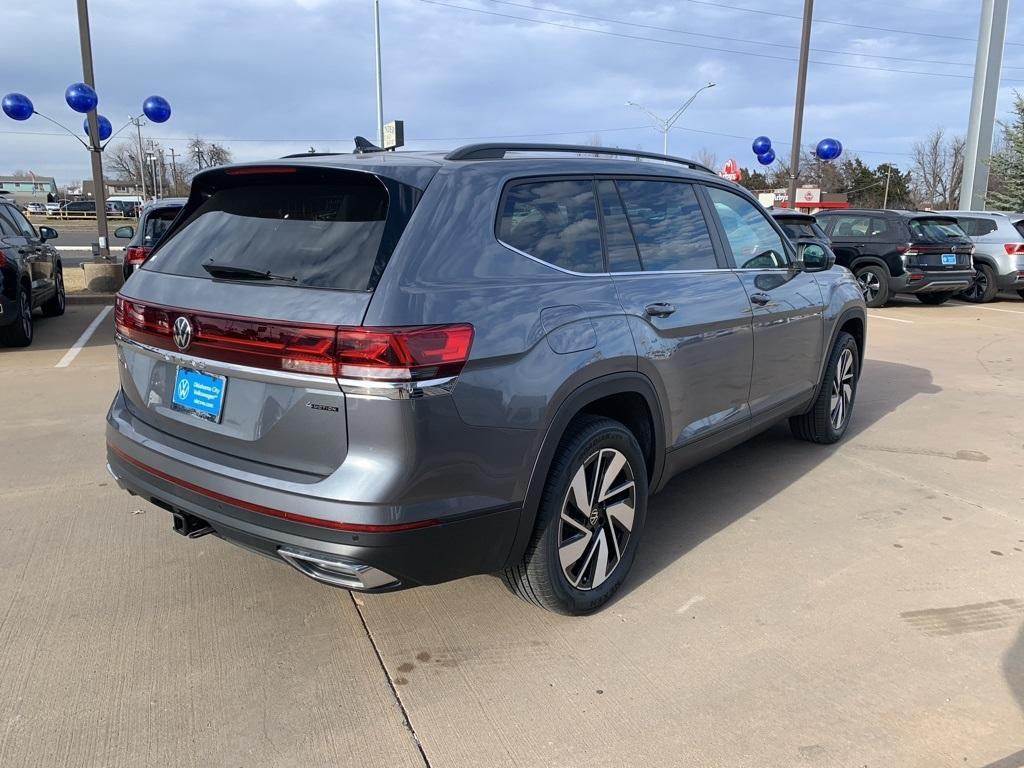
(88, 298)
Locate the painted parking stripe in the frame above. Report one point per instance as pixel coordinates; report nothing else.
(993, 309)
(893, 319)
(72, 353)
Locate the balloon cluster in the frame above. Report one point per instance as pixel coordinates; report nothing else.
(82, 98)
(827, 149)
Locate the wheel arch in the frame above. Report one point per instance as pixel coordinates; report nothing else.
(868, 261)
(853, 321)
(627, 397)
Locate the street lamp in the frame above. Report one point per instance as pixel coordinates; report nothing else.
(663, 124)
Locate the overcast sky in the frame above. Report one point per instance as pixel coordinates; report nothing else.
(268, 77)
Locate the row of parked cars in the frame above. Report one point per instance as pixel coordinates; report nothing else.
(81, 207)
(935, 256)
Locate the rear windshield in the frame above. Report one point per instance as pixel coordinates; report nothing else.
(935, 230)
(1020, 227)
(157, 223)
(322, 235)
(797, 229)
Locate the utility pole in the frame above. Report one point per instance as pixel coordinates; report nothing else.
(988, 65)
(801, 89)
(888, 173)
(174, 174)
(142, 156)
(380, 92)
(95, 149)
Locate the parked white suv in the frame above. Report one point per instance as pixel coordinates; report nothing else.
(998, 252)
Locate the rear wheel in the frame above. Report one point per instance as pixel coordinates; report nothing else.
(19, 333)
(1021, 294)
(828, 418)
(54, 307)
(984, 287)
(874, 285)
(934, 299)
(589, 521)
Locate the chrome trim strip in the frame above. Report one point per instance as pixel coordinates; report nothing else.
(322, 383)
(397, 390)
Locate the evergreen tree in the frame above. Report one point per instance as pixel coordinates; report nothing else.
(1008, 163)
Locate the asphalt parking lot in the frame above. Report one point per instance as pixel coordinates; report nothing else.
(859, 605)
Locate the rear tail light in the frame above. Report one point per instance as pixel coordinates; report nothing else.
(916, 276)
(400, 354)
(136, 254)
(3, 259)
(903, 247)
(1014, 249)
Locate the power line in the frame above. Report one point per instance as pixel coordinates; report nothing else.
(728, 38)
(699, 47)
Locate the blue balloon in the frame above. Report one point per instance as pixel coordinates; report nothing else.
(767, 158)
(828, 149)
(104, 125)
(157, 109)
(761, 145)
(18, 106)
(81, 97)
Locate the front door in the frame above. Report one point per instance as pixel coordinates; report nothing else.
(688, 312)
(787, 304)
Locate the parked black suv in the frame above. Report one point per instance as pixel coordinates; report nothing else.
(923, 253)
(31, 275)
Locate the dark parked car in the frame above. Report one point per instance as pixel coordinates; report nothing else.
(31, 276)
(399, 369)
(923, 253)
(79, 207)
(154, 220)
(800, 227)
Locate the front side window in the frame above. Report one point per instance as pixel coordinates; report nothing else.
(554, 221)
(754, 241)
(668, 225)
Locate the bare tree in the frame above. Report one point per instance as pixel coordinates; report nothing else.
(707, 157)
(204, 154)
(937, 170)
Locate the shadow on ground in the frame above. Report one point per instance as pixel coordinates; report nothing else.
(704, 500)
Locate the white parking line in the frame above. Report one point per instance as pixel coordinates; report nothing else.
(72, 353)
(894, 319)
(993, 309)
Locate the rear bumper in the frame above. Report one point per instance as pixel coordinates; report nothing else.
(933, 282)
(1013, 281)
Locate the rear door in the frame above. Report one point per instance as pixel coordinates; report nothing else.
(227, 331)
(787, 305)
(688, 313)
(855, 235)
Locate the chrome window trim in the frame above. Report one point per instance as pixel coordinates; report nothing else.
(397, 390)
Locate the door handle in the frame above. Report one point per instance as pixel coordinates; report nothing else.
(659, 309)
(760, 298)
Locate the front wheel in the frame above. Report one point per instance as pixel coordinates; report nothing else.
(829, 416)
(934, 299)
(874, 285)
(589, 521)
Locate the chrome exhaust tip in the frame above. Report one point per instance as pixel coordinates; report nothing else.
(335, 570)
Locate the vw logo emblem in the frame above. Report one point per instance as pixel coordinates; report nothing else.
(182, 333)
(183, 389)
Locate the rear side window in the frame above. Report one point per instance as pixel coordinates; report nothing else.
(797, 229)
(618, 237)
(325, 235)
(977, 227)
(860, 226)
(935, 230)
(1020, 227)
(157, 223)
(554, 221)
(668, 225)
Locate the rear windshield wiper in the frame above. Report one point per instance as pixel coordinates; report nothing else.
(244, 273)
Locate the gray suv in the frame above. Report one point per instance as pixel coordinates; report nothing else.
(998, 252)
(393, 369)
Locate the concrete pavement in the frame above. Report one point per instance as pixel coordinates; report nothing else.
(792, 605)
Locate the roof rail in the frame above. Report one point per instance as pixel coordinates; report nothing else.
(497, 151)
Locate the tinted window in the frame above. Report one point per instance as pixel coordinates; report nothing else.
(156, 224)
(935, 230)
(21, 223)
(854, 225)
(977, 227)
(554, 221)
(7, 227)
(326, 235)
(754, 242)
(618, 237)
(1020, 227)
(668, 225)
(797, 229)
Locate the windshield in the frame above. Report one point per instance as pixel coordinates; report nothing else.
(935, 230)
(324, 235)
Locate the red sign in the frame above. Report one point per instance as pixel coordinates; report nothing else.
(731, 171)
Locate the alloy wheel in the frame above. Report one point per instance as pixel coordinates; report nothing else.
(596, 519)
(978, 286)
(26, 316)
(61, 297)
(870, 285)
(842, 390)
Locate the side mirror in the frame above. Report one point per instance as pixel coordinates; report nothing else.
(48, 233)
(816, 258)
(126, 233)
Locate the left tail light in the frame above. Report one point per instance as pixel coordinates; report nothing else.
(399, 354)
(136, 254)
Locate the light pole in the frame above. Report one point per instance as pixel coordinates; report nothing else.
(665, 125)
(801, 88)
(137, 122)
(89, 77)
(380, 86)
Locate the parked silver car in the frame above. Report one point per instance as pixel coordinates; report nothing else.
(998, 252)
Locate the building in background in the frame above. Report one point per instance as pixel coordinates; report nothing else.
(808, 199)
(29, 189)
(114, 187)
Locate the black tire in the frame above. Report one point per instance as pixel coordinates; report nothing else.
(540, 578)
(934, 299)
(55, 306)
(1021, 294)
(817, 425)
(984, 288)
(874, 285)
(19, 333)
